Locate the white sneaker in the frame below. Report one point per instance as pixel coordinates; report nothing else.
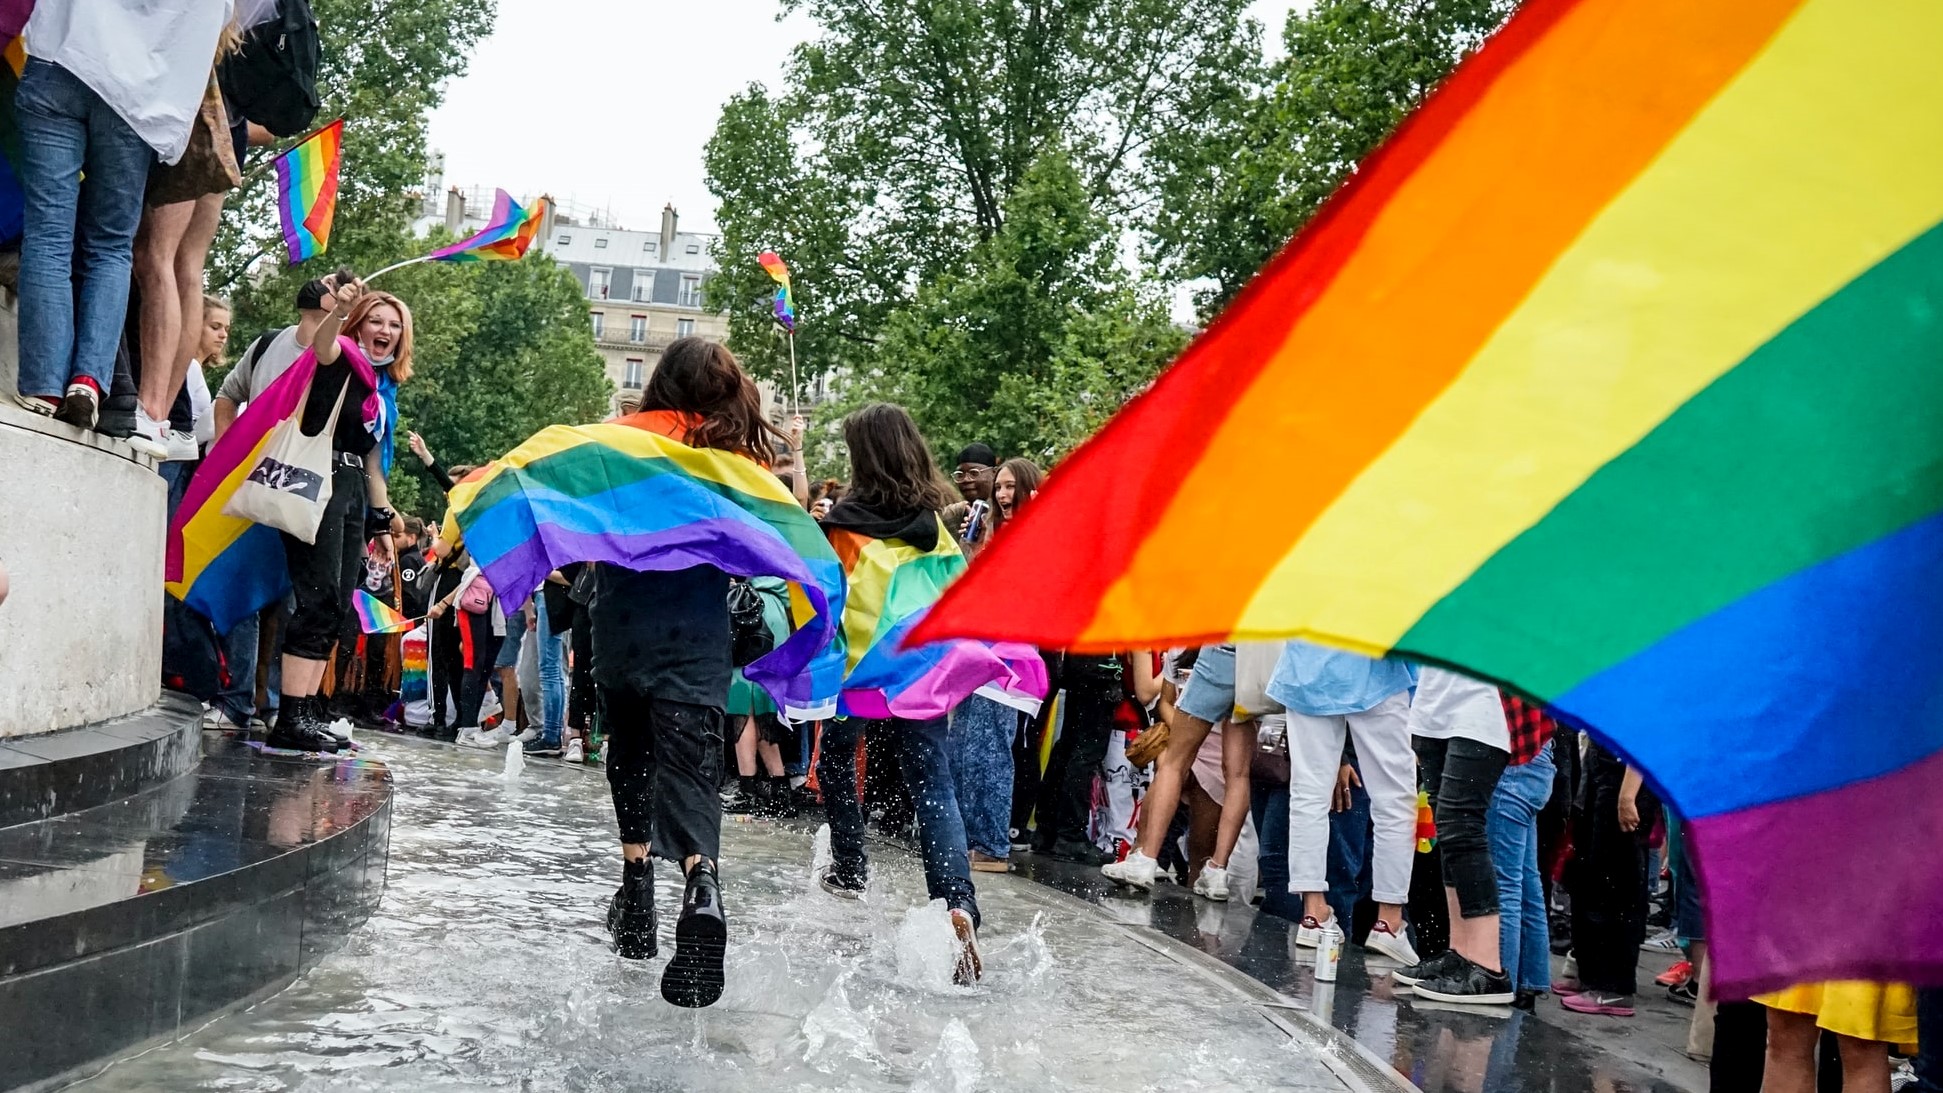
(1308, 934)
(182, 447)
(214, 720)
(529, 735)
(1213, 882)
(1136, 871)
(151, 437)
(472, 737)
(603, 753)
(1661, 942)
(1394, 946)
(576, 752)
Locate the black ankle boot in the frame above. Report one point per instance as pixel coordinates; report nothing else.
(743, 801)
(297, 728)
(694, 979)
(630, 914)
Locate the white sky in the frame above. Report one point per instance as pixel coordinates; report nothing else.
(608, 104)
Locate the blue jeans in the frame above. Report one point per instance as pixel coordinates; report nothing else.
(981, 764)
(926, 765)
(553, 678)
(1688, 925)
(71, 310)
(1511, 825)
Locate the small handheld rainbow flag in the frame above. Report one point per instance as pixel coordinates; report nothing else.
(785, 305)
(307, 191)
(375, 616)
(505, 237)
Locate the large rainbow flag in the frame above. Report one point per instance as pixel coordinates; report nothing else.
(307, 191)
(891, 586)
(631, 493)
(506, 236)
(224, 566)
(1617, 377)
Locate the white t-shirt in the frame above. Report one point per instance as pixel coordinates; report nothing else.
(199, 400)
(250, 378)
(1449, 705)
(149, 60)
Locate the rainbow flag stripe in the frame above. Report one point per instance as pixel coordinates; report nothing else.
(891, 586)
(1613, 377)
(505, 238)
(307, 191)
(631, 494)
(375, 616)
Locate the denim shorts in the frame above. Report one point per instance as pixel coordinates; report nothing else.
(1210, 691)
(515, 636)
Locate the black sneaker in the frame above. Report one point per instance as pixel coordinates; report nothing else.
(630, 914)
(844, 883)
(1465, 983)
(297, 730)
(1079, 851)
(1686, 994)
(81, 406)
(1527, 1001)
(1428, 968)
(694, 977)
(540, 749)
(741, 800)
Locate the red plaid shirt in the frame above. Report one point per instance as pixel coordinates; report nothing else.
(1529, 726)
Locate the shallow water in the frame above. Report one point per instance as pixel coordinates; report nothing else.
(487, 967)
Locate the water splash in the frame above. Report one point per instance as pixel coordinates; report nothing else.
(515, 760)
(821, 857)
(836, 1033)
(927, 947)
(342, 727)
(955, 1066)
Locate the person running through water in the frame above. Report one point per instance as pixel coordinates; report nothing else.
(661, 645)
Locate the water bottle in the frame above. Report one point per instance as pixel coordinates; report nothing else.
(1329, 953)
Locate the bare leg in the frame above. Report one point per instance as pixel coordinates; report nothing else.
(509, 694)
(1791, 1053)
(772, 758)
(189, 259)
(1475, 939)
(1185, 733)
(745, 749)
(301, 676)
(1237, 756)
(1316, 906)
(1865, 1064)
(156, 242)
(634, 851)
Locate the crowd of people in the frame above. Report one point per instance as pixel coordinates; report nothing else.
(1456, 834)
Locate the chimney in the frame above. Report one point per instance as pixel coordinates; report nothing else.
(455, 211)
(546, 221)
(667, 231)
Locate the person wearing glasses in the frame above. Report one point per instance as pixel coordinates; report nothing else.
(977, 465)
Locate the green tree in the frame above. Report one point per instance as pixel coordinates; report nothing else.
(1236, 188)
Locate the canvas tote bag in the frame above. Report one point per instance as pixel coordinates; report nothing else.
(1254, 664)
(291, 482)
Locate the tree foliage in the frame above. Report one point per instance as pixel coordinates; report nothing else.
(889, 166)
(1237, 187)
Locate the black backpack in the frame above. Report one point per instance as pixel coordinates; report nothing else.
(272, 80)
(749, 636)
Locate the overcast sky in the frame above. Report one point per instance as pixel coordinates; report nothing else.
(608, 104)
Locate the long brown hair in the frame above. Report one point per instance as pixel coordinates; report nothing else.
(401, 365)
(699, 377)
(1026, 477)
(890, 466)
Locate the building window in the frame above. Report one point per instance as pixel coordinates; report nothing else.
(643, 286)
(637, 328)
(648, 246)
(684, 328)
(694, 248)
(600, 323)
(691, 290)
(635, 374)
(597, 282)
(601, 243)
(565, 239)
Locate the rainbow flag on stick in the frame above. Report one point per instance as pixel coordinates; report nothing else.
(375, 616)
(631, 493)
(1613, 377)
(785, 303)
(307, 191)
(505, 237)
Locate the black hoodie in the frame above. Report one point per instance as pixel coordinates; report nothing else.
(918, 527)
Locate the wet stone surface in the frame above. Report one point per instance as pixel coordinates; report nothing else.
(487, 967)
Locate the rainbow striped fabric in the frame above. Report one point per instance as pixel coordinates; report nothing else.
(505, 238)
(307, 191)
(224, 566)
(375, 616)
(785, 303)
(630, 493)
(891, 586)
(1617, 377)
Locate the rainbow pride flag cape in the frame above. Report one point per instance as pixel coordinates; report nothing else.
(505, 238)
(375, 616)
(307, 191)
(224, 566)
(892, 584)
(1615, 377)
(631, 493)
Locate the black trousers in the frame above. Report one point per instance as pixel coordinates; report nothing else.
(1066, 793)
(1460, 775)
(582, 696)
(323, 573)
(664, 767)
(448, 670)
(473, 684)
(1607, 877)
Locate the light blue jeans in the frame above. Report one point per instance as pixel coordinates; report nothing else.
(79, 248)
(1511, 826)
(553, 676)
(981, 763)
